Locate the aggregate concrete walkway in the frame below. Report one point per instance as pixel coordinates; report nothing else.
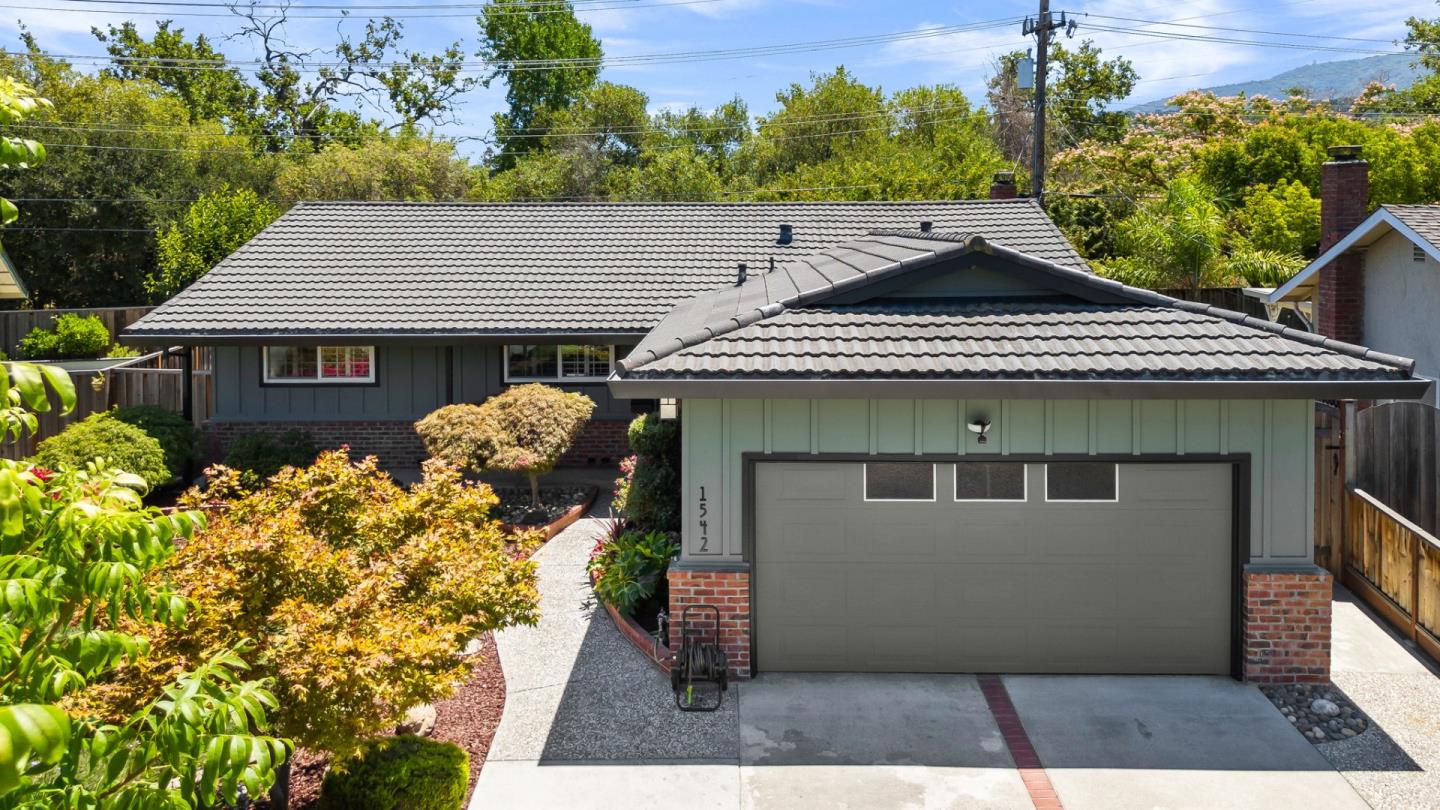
(1396, 764)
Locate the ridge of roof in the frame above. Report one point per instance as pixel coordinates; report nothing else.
(952, 245)
(657, 203)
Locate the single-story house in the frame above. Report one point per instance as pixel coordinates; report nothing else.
(1377, 278)
(916, 436)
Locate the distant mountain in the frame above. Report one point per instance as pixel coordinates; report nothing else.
(1335, 81)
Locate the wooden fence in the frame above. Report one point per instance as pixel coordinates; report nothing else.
(1395, 448)
(17, 323)
(157, 378)
(1394, 565)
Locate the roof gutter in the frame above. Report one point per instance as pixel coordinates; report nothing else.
(623, 388)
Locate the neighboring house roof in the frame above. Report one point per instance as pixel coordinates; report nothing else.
(12, 287)
(826, 320)
(1418, 223)
(403, 269)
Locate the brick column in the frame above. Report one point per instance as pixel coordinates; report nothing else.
(1287, 624)
(727, 588)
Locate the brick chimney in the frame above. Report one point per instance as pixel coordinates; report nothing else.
(1344, 204)
(1003, 187)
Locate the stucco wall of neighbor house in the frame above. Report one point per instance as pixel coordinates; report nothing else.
(411, 381)
(1401, 298)
(1277, 435)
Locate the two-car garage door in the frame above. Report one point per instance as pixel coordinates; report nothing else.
(993, 567)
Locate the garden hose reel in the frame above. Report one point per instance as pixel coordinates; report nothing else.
(699, 670)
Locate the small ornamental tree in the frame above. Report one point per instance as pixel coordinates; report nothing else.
(526, 429)
(358, 595)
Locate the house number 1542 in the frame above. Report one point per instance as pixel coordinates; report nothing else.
(704, 512)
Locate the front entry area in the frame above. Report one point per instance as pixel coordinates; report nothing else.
(1053, 566)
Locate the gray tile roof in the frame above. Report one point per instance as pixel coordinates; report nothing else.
(1013, 341)
(779, 325)
(1423, 219)
(447, 269)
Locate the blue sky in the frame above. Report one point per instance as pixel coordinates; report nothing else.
(629, 27)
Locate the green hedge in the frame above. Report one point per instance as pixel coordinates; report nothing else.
(73, 336)
(177, 437)
(123, 446)
(260, 455)
(652, 503)
(398, 773)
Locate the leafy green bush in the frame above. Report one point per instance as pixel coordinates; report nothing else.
(398, 773)
(651, 501)
(179, 439)
(123, 446)
(73, 336)
(258, 456)
(628, 567)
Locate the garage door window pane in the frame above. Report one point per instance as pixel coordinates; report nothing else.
(1081, 481)
(900, 481)
(981, 481)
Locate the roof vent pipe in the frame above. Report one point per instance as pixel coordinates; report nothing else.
(741, 276)
(787, 234)
(925, 225)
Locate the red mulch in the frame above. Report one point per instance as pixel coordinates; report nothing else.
(468, 719)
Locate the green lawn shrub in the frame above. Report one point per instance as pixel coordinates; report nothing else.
(398, 773)
(123, 446)
(177, 437)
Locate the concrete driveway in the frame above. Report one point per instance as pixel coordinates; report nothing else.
(589, 723)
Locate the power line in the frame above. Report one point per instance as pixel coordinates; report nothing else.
(571, 63)
(540, 8)
(1294, 34)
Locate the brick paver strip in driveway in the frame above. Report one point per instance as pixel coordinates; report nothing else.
(1032, 773)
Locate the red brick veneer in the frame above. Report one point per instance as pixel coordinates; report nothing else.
(1344, 203)
(727, 589)
(395, 442)
(1287, 625)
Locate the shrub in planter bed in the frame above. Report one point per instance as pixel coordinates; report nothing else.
(629, 565)
(258, 456)
(177, 437)
(652, 498)
(398, 773)
(73, 336)
(100, 435)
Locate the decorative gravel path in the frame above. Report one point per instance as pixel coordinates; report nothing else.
(1395, 764)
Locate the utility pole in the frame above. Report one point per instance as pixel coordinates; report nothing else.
(1041, 26)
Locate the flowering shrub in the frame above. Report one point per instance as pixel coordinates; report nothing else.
(359, 595)
(620, 499)
(526, 429)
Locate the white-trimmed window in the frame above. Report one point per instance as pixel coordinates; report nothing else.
(1082, 482)
(319, 364)
(564, 362)
(899, 481)
(990, 481)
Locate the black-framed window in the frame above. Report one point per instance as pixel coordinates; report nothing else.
(1082, 481)
(989, 481)
(319, 364)
(899, 481)
(558, 362)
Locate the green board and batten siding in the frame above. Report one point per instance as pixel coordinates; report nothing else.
(410, 382)
(1276, 434)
